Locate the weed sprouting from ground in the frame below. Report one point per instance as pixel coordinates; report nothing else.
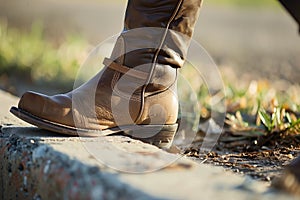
(264, 114)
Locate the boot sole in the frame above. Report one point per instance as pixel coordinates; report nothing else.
(159, 135)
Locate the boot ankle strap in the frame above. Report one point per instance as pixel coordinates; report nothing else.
(125, 70)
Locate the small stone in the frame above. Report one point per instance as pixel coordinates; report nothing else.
(39, 152)
(25, 181)
(265, 148)
(290, 180)
(97, 192)
(47, 167)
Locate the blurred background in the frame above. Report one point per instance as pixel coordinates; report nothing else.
(43, 42)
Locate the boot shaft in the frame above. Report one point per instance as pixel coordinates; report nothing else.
(158, 31)
(154, 42)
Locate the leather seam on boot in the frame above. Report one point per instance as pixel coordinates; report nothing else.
(121, 94)
(158, 95)
(115, 79)
(163, 39)
(154, 62)
(167, 88)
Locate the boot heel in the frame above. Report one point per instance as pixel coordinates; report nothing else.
(161, 136)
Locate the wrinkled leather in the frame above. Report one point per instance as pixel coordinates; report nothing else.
(159, 51)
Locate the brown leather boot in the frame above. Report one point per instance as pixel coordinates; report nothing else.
(135, 93)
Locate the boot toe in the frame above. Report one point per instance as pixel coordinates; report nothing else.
(55, 109)
(32, 102)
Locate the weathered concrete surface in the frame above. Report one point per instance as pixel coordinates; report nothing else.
(37, 164)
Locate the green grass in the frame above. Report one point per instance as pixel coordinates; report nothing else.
(29, 55)
(276, 112)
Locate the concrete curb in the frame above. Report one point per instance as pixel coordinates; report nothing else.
(37, 164)
(36, 171)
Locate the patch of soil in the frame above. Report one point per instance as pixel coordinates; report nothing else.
(263, 163)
